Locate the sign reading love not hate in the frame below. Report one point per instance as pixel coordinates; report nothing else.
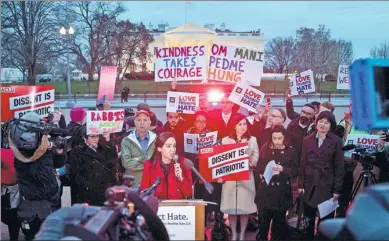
(227, 162)
(302, 83)
(102, 122)
(193, 142)
(180, 63)
(232, 64)
(182, 102)
(246, 96)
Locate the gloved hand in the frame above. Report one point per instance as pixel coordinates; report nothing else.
(53, 226)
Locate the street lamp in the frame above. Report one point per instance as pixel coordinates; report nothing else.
(67, 32)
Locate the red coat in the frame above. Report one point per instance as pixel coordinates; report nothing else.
(8, 172)
(170, 188)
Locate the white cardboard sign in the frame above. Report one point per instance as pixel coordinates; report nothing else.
(180, 222)
(246, 96)
(182, 102)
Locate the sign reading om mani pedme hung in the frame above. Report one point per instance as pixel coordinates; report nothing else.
(227, 162)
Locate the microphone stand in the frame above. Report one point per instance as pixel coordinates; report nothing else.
(193, 188)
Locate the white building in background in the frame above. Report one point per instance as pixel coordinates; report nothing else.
(192, 34)
(11, 75)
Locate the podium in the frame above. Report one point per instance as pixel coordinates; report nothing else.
(183, 219)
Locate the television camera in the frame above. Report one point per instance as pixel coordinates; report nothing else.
(114, 221)
(27, 134)
(367, 159)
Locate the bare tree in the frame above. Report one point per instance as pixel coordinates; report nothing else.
(316, 50)
(279, 53)
(94, 23)
(30, 37)
(380, 52)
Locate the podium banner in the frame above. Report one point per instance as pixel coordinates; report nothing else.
(179, 221)
(227, 162)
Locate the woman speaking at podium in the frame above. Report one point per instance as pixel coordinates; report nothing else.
(175, 177)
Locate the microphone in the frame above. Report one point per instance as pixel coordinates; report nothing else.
(175, 158)
(349, 147)
(207, 185)
(151, 189)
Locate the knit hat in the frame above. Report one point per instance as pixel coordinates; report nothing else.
(283, 113)
(143, 106)
(77, 114)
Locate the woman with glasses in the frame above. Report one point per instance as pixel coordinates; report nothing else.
(321, 168)
(238, 196)
(200, 127)
(91, 170)
(275, 198)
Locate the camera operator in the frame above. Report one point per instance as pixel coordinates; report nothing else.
(35, 172)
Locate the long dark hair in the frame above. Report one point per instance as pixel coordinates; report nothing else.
(236, 118)
(280, 129)
(159, 142)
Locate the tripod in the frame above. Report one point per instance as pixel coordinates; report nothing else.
(367, 177)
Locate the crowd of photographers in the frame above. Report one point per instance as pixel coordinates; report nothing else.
(309, 147)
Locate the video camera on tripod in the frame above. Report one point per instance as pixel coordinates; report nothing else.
(367, 160)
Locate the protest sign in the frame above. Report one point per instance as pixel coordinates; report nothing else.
(246, 96)
(227, 162)
(181, 102)
(343, 81)
(193, 142)
(180, 63)
(107, 82)
(17, 100)
(106, 121)
(232, 64)
(303, 83)
(180, 222)
(363, 141)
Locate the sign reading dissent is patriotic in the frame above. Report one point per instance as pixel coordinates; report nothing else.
(227, 162)
(17, 100)
(232, 64)
(180, 63)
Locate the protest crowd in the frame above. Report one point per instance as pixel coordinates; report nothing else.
(283, 166)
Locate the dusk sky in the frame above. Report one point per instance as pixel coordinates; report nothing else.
(365, 23)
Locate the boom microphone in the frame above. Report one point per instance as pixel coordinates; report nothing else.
(207, 185)
(349, 147)
(151, 189)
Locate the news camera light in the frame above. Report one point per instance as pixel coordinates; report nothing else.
(370, 93)
(215, 96)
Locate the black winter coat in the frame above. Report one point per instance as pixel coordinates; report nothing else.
(321, 168)
(37, 180)
(91, 173)
(278, 194)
